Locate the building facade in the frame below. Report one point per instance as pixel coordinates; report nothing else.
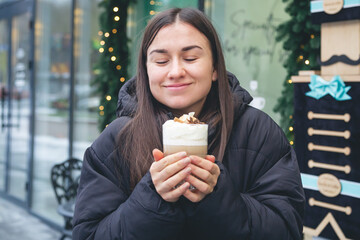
(48, 50)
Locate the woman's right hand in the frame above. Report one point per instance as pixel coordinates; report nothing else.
(168, 172)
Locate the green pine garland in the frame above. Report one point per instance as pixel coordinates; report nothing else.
(301, 39)
(112, 67)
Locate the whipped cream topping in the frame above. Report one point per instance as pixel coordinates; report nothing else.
(176, 133)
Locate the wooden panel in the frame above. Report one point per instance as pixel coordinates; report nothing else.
(338, 38)
(307, 78)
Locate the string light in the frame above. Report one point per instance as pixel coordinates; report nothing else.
(113, 58)
(101, 108)
(118, 67)
(100, 33)
(291, 129)
(106, 125)
(107, 34)
(102, 113)
(122, 79)
(111, 49)
(102, 42)
(152, 2)
(312, 36)
(290, 81)
(152, 12)
(301, 57)
(291, 117)
(307, 62)
(117, 18)
(291, 142)
(114, 31)
(101, 50)
(108, 97)
(115, 9)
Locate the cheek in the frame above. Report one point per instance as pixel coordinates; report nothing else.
(155, 74)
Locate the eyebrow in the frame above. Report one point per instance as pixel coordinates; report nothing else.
(184, 49)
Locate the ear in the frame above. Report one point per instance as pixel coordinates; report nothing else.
(214, 76)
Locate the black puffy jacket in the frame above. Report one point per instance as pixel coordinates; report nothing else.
(258, 195)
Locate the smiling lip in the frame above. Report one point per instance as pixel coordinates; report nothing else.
(178, 86)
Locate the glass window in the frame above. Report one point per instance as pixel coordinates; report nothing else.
(86, 102)
(247, 31)
(20, 106)
(4, 47)
(52, 91)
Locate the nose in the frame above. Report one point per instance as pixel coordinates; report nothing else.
(176, 70)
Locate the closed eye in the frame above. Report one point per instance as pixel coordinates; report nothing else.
(161, 62)
(190, 59)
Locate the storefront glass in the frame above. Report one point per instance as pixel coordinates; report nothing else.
(52, 91)
(86, 101)
(247, 31)
(20, 106)
(4, 46)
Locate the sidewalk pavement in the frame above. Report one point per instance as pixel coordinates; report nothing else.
(16, 223)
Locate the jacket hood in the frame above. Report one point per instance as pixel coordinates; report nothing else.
(127, 101)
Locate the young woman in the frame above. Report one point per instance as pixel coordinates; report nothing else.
(249, 186)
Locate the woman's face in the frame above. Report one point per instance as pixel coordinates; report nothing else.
(180, 68)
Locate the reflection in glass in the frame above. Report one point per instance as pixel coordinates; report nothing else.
(3, 102)
(20, 106)
(86, 102)
(52, 91)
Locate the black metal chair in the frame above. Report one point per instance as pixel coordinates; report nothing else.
(65, 178)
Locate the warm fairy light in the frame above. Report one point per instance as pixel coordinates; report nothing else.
(302, 46)
(122, 79)
(106, 125)
(113, 58)
(312, 36)
(108, 97)
(301, 57)
(291, 129)
(290, 116)
(100, 33)
(107, 34)
(111, 49)
(291, 142)
(102, 42)
(290, 81)
(152, 2)
(152, 12)
(114, 31)
(116, 18)
(101, 108)
(115, 9)
(307, 62)
(101, 113)
(118, 67)
(101, 50)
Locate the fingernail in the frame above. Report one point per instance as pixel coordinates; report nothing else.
(182, 154)
(186, 160)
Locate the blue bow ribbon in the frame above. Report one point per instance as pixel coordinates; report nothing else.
(336, 88)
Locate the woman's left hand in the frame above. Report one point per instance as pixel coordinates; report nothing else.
(204, 176)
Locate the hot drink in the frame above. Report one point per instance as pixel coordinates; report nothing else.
(185, 134)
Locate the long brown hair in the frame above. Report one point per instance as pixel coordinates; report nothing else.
(143, 132)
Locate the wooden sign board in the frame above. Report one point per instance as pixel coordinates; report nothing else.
(340, 38)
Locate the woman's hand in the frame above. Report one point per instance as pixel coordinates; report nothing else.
(204, 176)
(168, 172)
